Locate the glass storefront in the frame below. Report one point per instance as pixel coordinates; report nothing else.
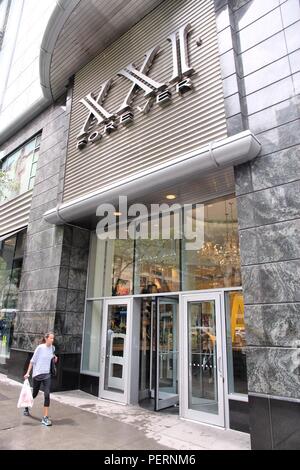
(155, 273)
(159, 268)
(217, 263)
(92, 337)
(11, 260)
(119, 267)
(236, 343)
(147, 266)
(203, 393)
(167, 353)
(146, 346)
(110, 267)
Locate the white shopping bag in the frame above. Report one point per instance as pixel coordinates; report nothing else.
(25, 398)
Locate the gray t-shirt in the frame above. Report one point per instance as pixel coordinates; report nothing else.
(41, 359)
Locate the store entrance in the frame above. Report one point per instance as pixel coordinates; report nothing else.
(203, 363)
(116, 349)
(203, 371)
(158, 382)
(145, 338)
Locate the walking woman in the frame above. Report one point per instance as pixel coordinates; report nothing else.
(41, 362)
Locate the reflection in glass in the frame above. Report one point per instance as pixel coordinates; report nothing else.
(115, 357)
(217, 262)
(118, 346)
(167, 349)
(145, 344)
(92, 337)
(19, 170)
(96, 267)
(157, 262)
(203, 386)
(11, 260)
(165, 264)
(6, 265)
(236, 343)
(119, 262)
(110, 267)
(117, 371)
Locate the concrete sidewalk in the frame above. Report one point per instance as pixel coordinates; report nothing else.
(81, 421)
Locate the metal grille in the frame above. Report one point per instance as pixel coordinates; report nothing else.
(15, 213)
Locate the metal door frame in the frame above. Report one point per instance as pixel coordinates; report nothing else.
(185, 412)
(172, 400)
(107, 394)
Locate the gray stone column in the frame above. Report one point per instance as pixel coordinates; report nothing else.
(69, 315)
(268, 195)
(52, 289)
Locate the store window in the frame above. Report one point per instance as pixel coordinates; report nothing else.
(11, 260)
(119, 267)
(110, 267)
(147, 310)
(236, 343)
(203, 390)
(148, 266)
(217, 263)
(164, 264)
(92, 337)
(157, 262)
(96, 267)
(18, 170)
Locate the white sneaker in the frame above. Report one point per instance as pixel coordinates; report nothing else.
(46, 421)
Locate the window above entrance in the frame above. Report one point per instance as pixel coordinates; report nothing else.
(165, 264)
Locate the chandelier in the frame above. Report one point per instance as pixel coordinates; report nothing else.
(227, 256)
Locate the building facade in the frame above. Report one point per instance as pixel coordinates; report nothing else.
(140, 106)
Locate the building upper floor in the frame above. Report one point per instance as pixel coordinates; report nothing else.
(22, 27)
(169, 78)
(35, 39)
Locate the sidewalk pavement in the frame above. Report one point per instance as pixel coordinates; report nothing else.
(81, 421)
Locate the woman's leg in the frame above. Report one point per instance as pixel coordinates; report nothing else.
(47, 386)
(35, 387)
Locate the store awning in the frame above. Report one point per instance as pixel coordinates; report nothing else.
(224, 153)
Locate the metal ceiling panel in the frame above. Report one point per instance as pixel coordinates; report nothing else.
(80, 29)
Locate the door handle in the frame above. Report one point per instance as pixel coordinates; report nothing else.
(220, 367)
(102, 354)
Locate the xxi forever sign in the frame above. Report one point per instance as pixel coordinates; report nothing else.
(100, 121)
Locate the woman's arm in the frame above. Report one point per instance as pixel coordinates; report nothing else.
(28, 371)
(32, 361)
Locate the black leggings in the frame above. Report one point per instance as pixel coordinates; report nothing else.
(36, 388)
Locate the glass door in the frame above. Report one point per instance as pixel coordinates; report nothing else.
(203, 390)
(166, 390)
(115, 350)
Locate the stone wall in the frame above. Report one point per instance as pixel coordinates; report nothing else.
(265, 65)
(52, 288)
